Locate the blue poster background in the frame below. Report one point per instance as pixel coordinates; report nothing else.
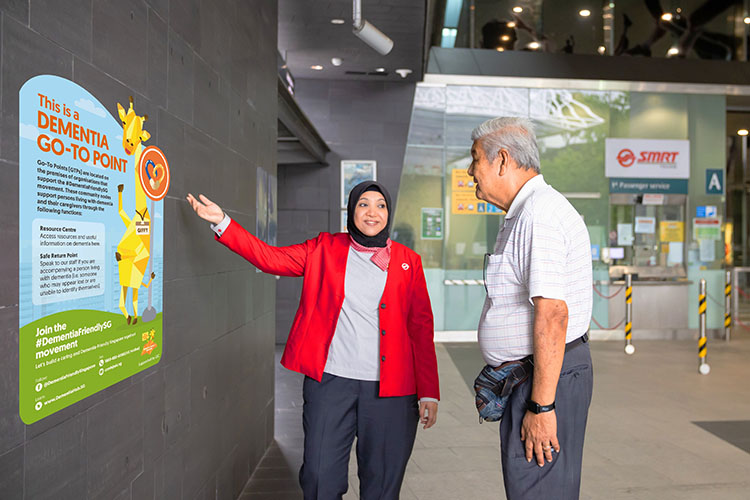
(95, 116)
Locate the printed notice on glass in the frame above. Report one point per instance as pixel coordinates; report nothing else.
(625, 235)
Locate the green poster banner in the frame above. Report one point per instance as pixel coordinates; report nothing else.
(91, 245)
(432, 223)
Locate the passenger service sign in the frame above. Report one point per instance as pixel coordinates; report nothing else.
(647, 158)
(91, 237)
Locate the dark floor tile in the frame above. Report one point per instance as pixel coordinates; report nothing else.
(468, 359)
(735, 432)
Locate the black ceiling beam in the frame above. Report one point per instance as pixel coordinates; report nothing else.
(309, 148)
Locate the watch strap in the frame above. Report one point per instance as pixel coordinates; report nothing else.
(535, 407)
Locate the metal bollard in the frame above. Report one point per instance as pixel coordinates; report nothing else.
(629, 347)
(702, 340)
(728, 306)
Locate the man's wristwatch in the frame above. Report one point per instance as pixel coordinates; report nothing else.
(535, 407)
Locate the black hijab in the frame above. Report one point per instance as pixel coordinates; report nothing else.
(380, 239)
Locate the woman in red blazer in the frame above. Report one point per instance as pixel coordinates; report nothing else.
(363, 338)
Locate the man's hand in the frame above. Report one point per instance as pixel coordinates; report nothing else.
(539, 434)
(428, 413)
(208, 210)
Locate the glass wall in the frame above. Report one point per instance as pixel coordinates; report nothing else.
(453, 232)
(688, 28)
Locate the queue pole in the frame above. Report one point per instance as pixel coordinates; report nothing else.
(629, 347)
(728, 306)
(703, 368)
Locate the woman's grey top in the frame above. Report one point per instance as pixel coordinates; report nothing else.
(355, 348)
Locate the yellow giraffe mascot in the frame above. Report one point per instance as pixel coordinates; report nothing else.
(133, 250)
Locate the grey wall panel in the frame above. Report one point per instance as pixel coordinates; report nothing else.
(11, 474)
(198, 423)
(11, 427)
(120, 30)
(114, 443)
(55, 462)
(9, 230)
(158, 50)
(55, 24)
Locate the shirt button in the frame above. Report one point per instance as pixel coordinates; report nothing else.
(382, 332)
(382, 358)
(382, 306)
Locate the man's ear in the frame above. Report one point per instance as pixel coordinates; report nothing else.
(502, 162)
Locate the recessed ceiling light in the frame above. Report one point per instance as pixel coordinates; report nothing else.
(602, 49)
(667, 16)
(742, 132)
(584, 12)
(316, 67)
(380, 70)
(533, 45)
(517, 10)
(505, 38)
(337, 61)
(747, 20)
(337, 21)
(511, 24)
(500, 49)
(673, 51)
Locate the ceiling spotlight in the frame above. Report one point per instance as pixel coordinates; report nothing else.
(368, 33)
(380, 70)
(337, 21)
(403, 72)
(500, 49)
(667, 16)
(337, 61)
(533, 45)
(511, 24)
(317, 67)
(602, 49)
(505, 38)
(746, 20)
(673, 51)
(584, 12)
(742, 132)
(517, 10)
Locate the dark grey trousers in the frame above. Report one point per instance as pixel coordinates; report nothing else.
(561, 478)
(336, 410)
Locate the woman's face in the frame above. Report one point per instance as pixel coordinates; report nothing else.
(371, 213)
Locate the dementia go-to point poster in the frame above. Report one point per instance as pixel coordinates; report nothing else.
(91, 244)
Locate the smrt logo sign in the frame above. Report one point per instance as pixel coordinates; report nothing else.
(626, 157)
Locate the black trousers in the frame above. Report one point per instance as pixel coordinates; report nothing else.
(336, 410)
(561, 478)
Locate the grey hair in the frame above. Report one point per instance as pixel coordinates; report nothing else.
(516, 135)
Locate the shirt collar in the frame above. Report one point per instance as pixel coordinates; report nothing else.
(526, 190)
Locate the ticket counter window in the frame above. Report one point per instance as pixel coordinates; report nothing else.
(647, 236)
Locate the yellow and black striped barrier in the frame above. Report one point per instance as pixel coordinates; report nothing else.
(728, 306)
(629, 347)
(703, 368)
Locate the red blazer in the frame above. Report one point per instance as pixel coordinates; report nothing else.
(408, 364)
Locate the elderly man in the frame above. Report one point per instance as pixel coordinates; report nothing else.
(538, 303)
